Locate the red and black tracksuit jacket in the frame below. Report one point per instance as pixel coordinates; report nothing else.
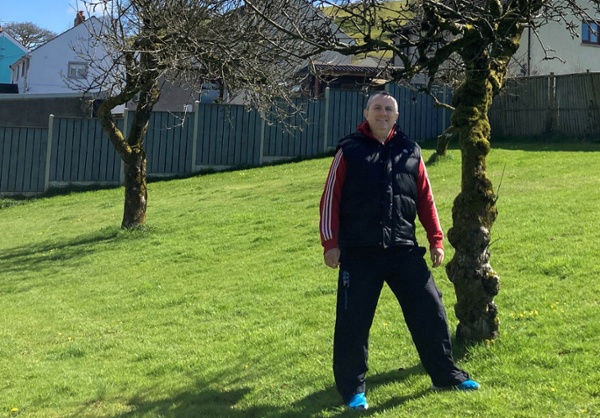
(354, 213)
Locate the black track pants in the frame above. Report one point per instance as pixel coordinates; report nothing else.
(361, 277)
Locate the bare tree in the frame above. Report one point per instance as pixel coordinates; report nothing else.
(29, 34)
(148, 42)
(481, 36)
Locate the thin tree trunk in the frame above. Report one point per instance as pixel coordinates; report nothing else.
(473, 215)
(442, 144)
(136, 191)
(443, 140)
(133, 155)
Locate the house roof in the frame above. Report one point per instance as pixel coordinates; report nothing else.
(345, 69)
(4, 34)
(93, 20)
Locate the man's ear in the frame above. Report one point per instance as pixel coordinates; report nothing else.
(365, 111)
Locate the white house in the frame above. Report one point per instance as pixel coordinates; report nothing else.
(67, 64)
(553, 49)
(567, 54)
(62, 66)
(58, 65)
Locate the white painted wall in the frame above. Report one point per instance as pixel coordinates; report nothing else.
(49, 63)
(578, 57)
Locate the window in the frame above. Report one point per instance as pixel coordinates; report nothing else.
(589, 32)
(78, 70)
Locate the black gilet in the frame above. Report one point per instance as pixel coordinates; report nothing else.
(378, 205)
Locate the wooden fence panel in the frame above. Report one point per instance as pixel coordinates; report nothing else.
(313, 132)
(577, 97)
(168, 143)
(82, 153)
(248, 150)
(405, 98)
(227, 131)
(271, 146)
(345, 113)
(418, 116)
(243, 145)
(300, 135)
(524, 107)
(22, 160)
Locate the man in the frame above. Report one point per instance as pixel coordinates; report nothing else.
(377, 186)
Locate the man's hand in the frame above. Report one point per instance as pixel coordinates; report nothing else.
(332, 258)
(437, 256)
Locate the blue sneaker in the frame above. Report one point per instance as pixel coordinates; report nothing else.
(467, 385)
(358, 402)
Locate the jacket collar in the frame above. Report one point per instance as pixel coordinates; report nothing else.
(365, 129)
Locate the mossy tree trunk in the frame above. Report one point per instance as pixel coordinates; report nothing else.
(474, 211)
(473, 215)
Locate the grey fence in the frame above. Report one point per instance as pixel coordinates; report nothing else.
(23, 161)
(74, 151)
(169, 143)
(563, 104)
(80, 152)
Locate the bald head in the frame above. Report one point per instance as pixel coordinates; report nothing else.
(381, 113)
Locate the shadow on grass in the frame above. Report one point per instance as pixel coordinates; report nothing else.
(525, 144)
(201, 402)
(205, 401)
(48, 254)
(550, 144)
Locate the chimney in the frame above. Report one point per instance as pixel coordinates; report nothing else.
(79, 18)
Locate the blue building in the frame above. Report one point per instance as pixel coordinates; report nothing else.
(10, 52)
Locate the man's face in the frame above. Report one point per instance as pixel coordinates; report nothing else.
(382, 115)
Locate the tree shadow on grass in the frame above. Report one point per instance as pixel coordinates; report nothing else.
(25, 267)
(329, 400)
(547, 144)
(200, 402)
(205, 401)
(533, 144)
(39, 256)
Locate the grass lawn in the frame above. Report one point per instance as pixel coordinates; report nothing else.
(222, 306)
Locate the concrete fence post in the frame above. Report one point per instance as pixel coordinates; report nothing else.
(125, 133)
(195, 135)
(553, 111)
(48, 153)
(326, 123)
(445, 121)
(263, 127)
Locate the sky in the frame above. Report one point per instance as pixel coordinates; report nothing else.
(54, 15)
